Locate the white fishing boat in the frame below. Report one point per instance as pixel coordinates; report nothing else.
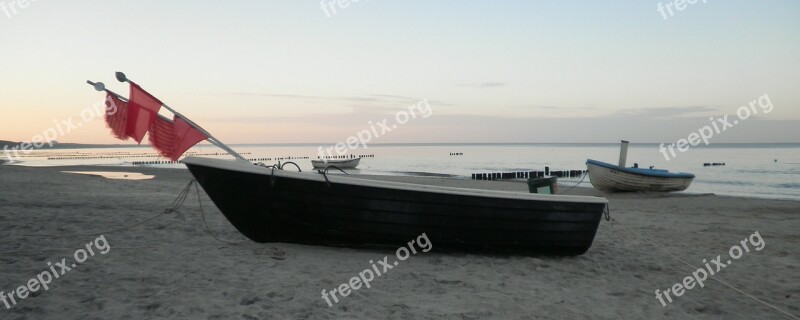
(610, 178)
(338, 163)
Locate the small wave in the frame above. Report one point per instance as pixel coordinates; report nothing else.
(425, 174)
(790, 172)
(789, 185)
(728, 182)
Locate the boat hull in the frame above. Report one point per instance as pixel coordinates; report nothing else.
(609, 178)
(341, 164)
(280, 206)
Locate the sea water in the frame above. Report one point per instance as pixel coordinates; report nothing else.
(755, 170)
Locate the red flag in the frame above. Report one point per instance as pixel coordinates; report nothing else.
(142, 111)
(162, 136)
(116, 116)
(185, 137)
(173, 138)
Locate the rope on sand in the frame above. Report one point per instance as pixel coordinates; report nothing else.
(172, 208)
(95, 233)
(577, 184)
(203, 214)
(695, 268)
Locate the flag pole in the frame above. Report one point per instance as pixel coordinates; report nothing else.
(99, 86)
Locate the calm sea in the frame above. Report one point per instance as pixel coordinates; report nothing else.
(757, 170)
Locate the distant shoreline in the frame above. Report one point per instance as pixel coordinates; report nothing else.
(11, 144)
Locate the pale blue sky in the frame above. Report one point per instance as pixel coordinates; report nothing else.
(493, 71)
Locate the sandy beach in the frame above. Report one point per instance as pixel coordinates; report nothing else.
(171, 268)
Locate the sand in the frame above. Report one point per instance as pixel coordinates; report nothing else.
(170, 267)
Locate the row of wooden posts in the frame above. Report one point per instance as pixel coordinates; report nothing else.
(528, 174)
(256, 159)
(134, 155)
(251, 160)
(349, 156)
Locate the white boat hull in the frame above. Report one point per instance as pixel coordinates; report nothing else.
(341, 164)
(607, 179)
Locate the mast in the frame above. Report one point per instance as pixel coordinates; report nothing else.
(99, 86)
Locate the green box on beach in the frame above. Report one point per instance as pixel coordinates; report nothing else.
(544, 185)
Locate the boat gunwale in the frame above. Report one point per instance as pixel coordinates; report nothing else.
(667, 175)
(247, 167)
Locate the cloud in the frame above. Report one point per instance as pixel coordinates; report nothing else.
(665, 112)
(271, 95)
(359, 115)
(379, 100)
(560, 108)
(484, 84)
(464, 128)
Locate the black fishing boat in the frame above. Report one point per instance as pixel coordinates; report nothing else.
(272, 205)
(268, 204)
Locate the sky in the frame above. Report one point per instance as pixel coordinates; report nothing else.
(491, 71)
